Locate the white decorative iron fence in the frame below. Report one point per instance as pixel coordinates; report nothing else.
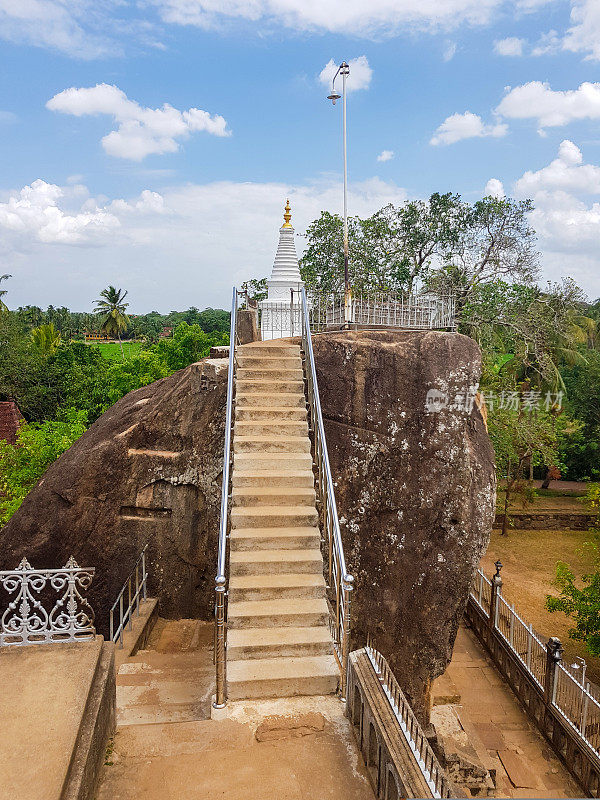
(578, 705)
(426, 311)
(522, 639)
(575, 699)
(46, 605)
(134, 588)
(412, 731)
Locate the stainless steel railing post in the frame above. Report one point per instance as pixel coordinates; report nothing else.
(348, 586)
(144, 573)
(221, 693)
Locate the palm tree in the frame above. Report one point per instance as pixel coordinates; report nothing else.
(46, 338)
(3, 306)
(114, 313)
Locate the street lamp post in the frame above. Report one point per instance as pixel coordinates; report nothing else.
(344, 71)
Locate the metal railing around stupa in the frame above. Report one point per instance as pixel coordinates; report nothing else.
(369, 309)
(339, 582)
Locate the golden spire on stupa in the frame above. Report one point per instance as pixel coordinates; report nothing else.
(287, 216)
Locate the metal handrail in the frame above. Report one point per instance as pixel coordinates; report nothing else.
(422, 751)
(221, 578)
(340, 582)
(133, 598)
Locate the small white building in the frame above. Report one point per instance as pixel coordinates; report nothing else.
(281, 311)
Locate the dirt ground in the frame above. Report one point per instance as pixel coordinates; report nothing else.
(565, 504)
(529, 559)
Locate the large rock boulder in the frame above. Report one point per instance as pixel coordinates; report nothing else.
(415, 490)
(147, 472)
(415, 487)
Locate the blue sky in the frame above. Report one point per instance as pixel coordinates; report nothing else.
(99, 187)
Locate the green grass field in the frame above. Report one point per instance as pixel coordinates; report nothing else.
(112, 351)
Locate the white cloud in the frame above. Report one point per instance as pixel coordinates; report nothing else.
(449, 51)
(511, 46)
(58, 25)
(34, 213)
(568, 226)
(584, 34)
(359, 77)
(141, 131)
(548, 44)
(494, 188)
(566, 173)
(536, 100)
(354, 18)
(185, 232)
(83, 29)
(466, 126)
(385, 155)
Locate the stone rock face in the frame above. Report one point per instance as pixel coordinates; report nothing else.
(148, 471)
(415, 488)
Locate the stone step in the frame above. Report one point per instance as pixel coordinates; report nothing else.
(264, 386)
(271, 444)
(280, 427)
(268, 362)
(269, 413)
(274, 539)
(282, 677)
(270, 350)
(269, 399)
(299, 612)
(296, 478)
(272, 461)
(273, 517)
(247, 643)
(273, 496)
(273, 562)
(275, 587)
(270, 373)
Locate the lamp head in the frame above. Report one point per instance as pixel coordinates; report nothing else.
(333, 96)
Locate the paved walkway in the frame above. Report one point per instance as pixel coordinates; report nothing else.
(167, 748)
(488, 714)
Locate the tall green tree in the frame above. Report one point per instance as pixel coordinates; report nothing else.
(417, 234)
(494, 242)
(113, 311)
(519, 437)
(46, 338)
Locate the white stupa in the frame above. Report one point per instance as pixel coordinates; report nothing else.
(280, 314)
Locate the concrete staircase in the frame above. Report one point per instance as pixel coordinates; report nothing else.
(279, 643)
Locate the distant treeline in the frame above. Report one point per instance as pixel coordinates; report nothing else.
(75, 324)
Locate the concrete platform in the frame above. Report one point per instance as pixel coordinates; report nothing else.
(293, 749)
(488, 719)
(57, 712)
